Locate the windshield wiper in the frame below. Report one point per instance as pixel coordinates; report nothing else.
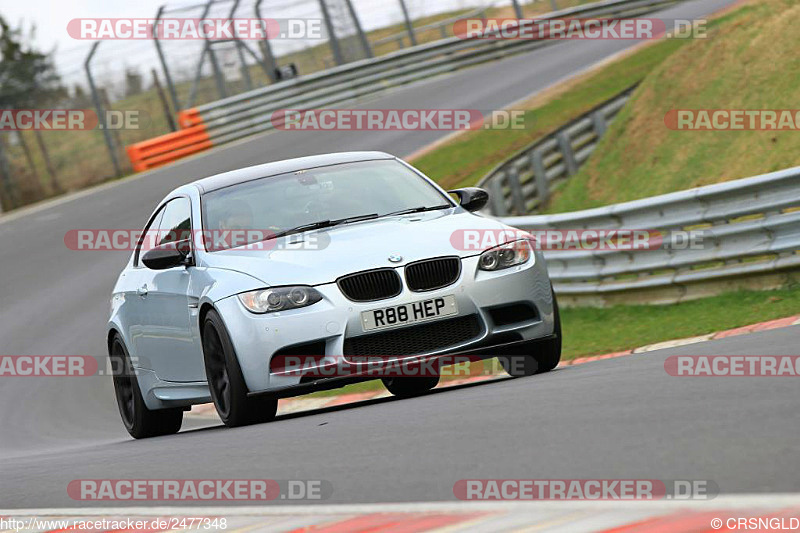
(321, 224)
(417, 210)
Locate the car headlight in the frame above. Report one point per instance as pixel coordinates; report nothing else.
(279, 299)
(505, 255)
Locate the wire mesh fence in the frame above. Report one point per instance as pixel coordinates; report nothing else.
(156, 78)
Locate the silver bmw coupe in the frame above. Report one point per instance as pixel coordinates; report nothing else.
(313, 273)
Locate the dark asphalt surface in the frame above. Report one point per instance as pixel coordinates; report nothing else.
(621, 418)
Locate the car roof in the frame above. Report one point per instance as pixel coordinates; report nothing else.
(241, 175)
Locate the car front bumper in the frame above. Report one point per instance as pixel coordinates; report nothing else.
(335, 319)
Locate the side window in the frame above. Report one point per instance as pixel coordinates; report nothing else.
(148, 236)
(176, 224)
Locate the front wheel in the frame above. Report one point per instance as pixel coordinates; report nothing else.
(140, 421)
(406, 387)
(539, 355)
(226, 382)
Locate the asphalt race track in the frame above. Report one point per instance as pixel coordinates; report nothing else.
(616, 419)
(623, 418)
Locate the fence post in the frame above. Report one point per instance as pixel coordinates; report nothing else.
(409, 25)
(337, 52)
(566, 152)
(163, 99)
(199, 70)
(218, 77)
(361, 36)
(266, 50)
(101, 116)
(238, 44)
(540, 176)
(518, 9)
(176, 105)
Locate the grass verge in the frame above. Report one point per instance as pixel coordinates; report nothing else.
(595, 331)
(750, 62)
(466, 158)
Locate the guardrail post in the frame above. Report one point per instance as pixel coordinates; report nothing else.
(540, 176)
(496, 195)
(567, 153)
(101, 116)
(518, 201)
(409, 25)
(599, 122)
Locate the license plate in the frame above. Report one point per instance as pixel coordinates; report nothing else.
(409, 313)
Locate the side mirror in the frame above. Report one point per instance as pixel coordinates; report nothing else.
(471, 198)
(167, 255)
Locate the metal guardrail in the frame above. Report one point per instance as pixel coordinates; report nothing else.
(523, 182)
(249, 113)
(441, 25)
(749, 227)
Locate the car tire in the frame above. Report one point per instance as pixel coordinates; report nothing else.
(406, 387)
(140, 421)
(226, 382)
(539, 355)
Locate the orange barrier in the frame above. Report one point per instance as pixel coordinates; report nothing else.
(167, 148)
(189, 117)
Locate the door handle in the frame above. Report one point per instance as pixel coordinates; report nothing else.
(142, 291)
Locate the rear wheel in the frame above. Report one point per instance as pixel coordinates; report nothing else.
(405, 387)
(225, 380)
(539, 355)
(140, 421)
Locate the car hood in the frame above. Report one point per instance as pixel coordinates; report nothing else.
(294, 260)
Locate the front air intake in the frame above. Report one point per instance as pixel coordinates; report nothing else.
(432, 274)
(371, 285)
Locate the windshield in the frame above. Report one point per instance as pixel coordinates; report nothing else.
(335, 193)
